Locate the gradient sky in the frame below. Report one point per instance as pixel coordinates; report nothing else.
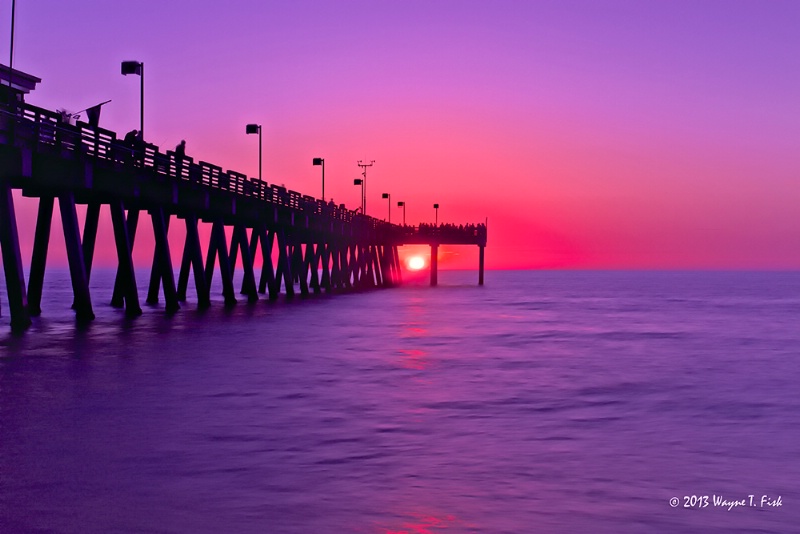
(591, 134)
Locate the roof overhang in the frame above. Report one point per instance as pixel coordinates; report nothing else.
(19, 81)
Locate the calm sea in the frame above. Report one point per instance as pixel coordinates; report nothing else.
(541, 402)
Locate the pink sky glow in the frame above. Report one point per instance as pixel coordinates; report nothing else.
(598, 134)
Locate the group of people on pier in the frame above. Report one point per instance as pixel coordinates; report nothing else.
(134, 141)
(448, 229)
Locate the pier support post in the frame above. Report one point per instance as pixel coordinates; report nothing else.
(344, 276)
(357, 261)
(384, 253)
(303, 264)
(186, 266)
(376, 265)
(349, 266)
(267, 278)
(363, 264)
(388, 266)
(125, 272)
(41, 241)
(336, 270)
(218, 247)
(77, 263)
(12, 261)
(88, 239)
(193, 260)
(239, 242)
(370, 259)
(131, 223)
(305, 254)
(380, 257)
(225, 269)
(480, 265)
(155, 272)
(325, 256)
(284, 269)
(434, 264)
(396, 256)
(162, 263)
(316, 256)
(90, 235)
(296, 255)
(347, 253)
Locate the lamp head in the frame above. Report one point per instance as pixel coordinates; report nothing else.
(358, 181)
(317, 161)
(132, 67)
(252, 128)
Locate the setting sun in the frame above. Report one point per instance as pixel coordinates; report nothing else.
(415, 263)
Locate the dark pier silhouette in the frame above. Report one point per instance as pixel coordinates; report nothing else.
(320, 247)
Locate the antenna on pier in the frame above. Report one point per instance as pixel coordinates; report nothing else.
(364, 185)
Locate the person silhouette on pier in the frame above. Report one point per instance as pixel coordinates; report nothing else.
(180, 154)
(131, 141)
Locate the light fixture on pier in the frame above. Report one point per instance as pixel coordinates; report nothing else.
(364, 166)
(403, 205)
(359, 181)
(137, 68)
(436, 208)
(321, 161)
(256, 129)
(387, 195)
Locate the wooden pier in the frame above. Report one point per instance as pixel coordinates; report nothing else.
(320, 247)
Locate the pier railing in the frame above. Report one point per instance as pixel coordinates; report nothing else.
(46, 131)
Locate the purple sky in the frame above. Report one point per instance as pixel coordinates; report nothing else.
(591, 134)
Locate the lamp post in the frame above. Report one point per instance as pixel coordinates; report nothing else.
(137, 67)
(11, 51)
(321, 161)
(403, 205)
(11, 61)
(359, 181)
(256, 129)
(436, 208)
(387, 195)
(364, 185)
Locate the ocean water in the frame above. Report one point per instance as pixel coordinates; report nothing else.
(541, 402)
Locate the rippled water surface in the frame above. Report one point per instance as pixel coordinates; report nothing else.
(541, 402)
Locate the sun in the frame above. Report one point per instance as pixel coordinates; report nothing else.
(415, 263)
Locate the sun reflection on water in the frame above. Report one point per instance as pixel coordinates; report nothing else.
(425, 524)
